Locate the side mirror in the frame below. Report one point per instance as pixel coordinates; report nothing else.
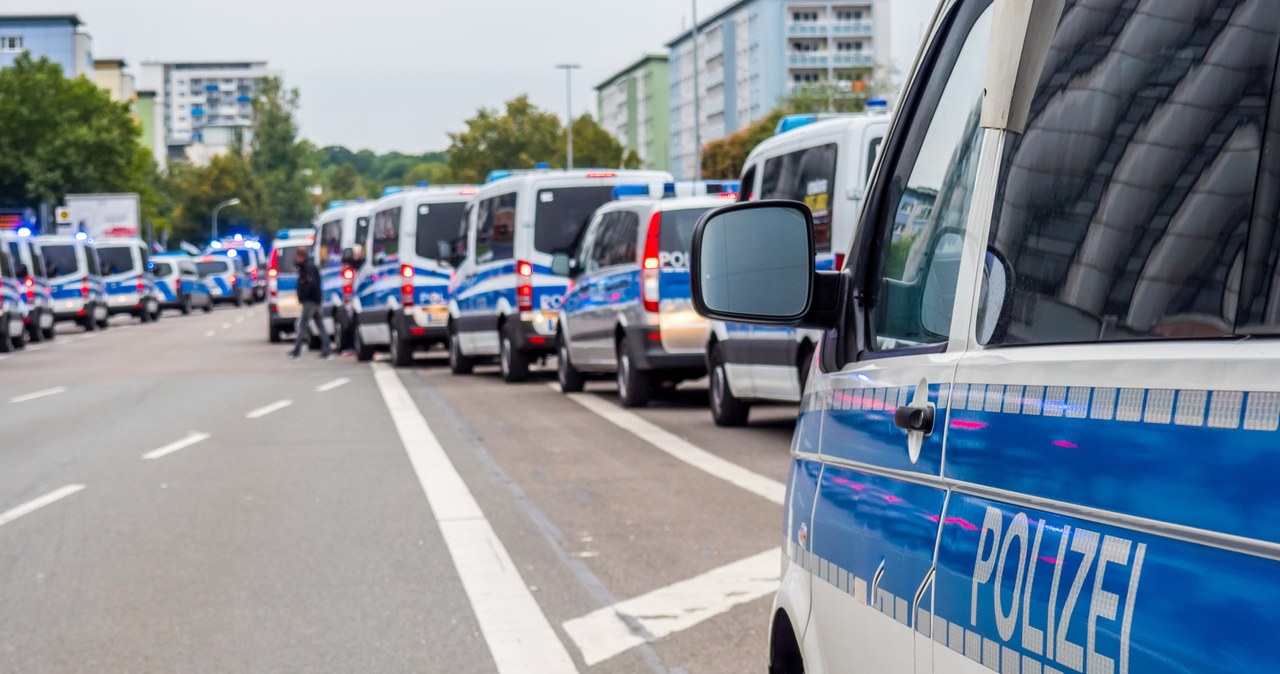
(753, 262)
(348, 257)
(561, 264)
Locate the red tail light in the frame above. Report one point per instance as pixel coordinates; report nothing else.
(253, 274)
(141, 286)
(602, 174)
(84, 288)
(28, 282)
(839, 261)
(524, 286)
(406, 291)
(233, 279)
(348, 274)
(273, 269)
(649, 269)
(30, 285)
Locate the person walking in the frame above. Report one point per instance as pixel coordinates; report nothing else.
(310, 297)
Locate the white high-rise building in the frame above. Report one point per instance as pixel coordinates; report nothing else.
(201, 108)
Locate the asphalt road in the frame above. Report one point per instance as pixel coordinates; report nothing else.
(339, 517)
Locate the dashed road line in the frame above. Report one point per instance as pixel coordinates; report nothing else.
(226, 326)
(38, 503)
(617, 628)
(36, 395)
(682, 449)
(210, 333)
(329, 386)
(172, 447)
(518, 635)
(264, 411)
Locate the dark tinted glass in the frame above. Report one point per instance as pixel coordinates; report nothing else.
(15, 255)
(362, 230)
(562, 214)
(60, 259)
(496, 231)
(37, 262)
(6, 266)
(677, 229)
(116, 259)
(330, 241)
(91, 256)
(213, 267)
(809, 176)
(437, 223)
(1125, 208)
(386, 232)
(757, 262)
(286, 262)
(162, 269)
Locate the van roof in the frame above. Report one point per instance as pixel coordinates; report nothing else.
(582, 176)
(823, 127)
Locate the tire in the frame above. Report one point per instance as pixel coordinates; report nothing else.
(185, 308)
(401, 350)
(239, 301)
(364, 352)
(6, 344)
(143, 315)
(88, 323)
(51, 333)
(726, 409)
(155, 311)
(571, 380)
(19, 340)
(208, 308)
(105, 323)
(273, 334)
(634, 387)
(513, 364)
(458, 363)
(35, 335)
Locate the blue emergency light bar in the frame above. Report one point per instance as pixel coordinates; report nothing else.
(624, 191)
(792, 122)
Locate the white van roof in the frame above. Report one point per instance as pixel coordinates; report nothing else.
(822, 129)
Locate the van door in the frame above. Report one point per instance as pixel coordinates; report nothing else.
(1114, 461)
(881, 495)
(580, 303)
(489, 289)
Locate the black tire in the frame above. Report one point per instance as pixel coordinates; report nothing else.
(185, 307)
(458, 363)
(105, 323)
(50, 333)
(155, 311)
(401, 350)
(208, 308)
(364, 352)
(513, 363)
(239, 301)
(571, 380)
(726, 409)
(273, 334)
(88, 323)
(143, 315)
(6, 344)
(34, 334)
(19, 340)
(634, 387)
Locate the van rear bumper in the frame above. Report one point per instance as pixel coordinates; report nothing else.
(644, 343)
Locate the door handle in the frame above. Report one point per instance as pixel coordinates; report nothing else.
(915, 418)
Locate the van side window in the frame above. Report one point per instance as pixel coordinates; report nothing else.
(92, 258)
(386, 232)
(597, 256)
(495, 237)
(331, 242)
(746, 191)
(807, 175)
(1144, 219)
(6, 267)
(362, 230)
(622, 241)
(920, 226)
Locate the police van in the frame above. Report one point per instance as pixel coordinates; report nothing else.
(129, 285)
(13, 306)
(254, 258)
(75, 280)
(627, 311)
(29, 269)
(340, 233)
(505, 296)
(283, 308)
(402, 283)
(823, 162)
(179, 283)
(226, 278)
(1041, 430)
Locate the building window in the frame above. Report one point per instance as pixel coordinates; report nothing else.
(849, 15)
(10, 43)
(804, 16)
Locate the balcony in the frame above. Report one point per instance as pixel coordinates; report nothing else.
(853, 60)
(712, 79)
(853, 29)
(809, 60)
(808, 29)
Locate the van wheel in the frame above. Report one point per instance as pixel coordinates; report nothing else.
(571, 380)
(513, 363)
(401, 351)
(634, 388)
(50, 332)
(19, 340)
(186, 305)
(239, 301)
(364, 352)
(143, 315)
(155, 311)
(726, 409)
(273, 334)
(6, 344)
(35, 335)
(88, 322)
(458, 363)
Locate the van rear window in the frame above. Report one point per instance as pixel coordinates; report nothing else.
(60, 259)
(561, 215)
(116, 260)
(213, 267)
(437, 223)
(161, 269)
(286, 262)
(677, 229)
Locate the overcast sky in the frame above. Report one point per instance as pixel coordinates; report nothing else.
(392, 74)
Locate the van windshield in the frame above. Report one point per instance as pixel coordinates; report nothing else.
(676, 235)
(437, 223)
(60, 259)
(115, 260)
(562, 214)
(213, 267)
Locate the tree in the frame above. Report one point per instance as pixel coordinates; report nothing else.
(518, 138)
(278, 158)
(344, 183)
(196, 190)
(725, 157)
(61, 136)
(594, 147)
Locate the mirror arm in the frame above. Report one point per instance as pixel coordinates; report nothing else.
(828, 299)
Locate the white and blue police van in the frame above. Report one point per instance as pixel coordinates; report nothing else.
(13, 306)
(627, 311)
(401, 294)
(283, 307)
(822, 161)
(29, 269)
(252, 255)
(505, 298)
(340, 233)
(130, 287)
(226, 276)
(75, 280)
(1041, 429)
(179, 284)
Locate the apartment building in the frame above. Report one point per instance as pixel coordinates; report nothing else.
(202, 107)
(634, 107)
(55, 36)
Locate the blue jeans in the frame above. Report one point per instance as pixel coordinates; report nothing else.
(310, 313)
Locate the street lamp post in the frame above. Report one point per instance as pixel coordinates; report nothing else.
(568, 69)
(228, 202)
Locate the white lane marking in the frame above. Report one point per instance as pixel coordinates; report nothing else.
(240, 319)
(682, 449)
(172, 447)
(611, 630)
(4, 356)
(514, 627)
(225, 326)
(41, 347)
(333, 384)
(38, 394)
(38, 503)
(264, 411)
(210, 333)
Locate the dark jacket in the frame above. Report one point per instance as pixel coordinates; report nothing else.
(309, 283)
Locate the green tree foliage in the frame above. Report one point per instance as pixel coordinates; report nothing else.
(373, 172)
(196, 190)
(519, 137)
(724, 158)
(278, 159)
(344, 182)
(61, 136)
(594, 147)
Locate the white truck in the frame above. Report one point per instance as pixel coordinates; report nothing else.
(101, 216)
